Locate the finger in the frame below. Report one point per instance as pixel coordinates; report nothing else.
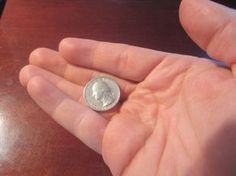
(53, 62)
(84, 123)
(73, 90)
(128, 62)
(212, 27)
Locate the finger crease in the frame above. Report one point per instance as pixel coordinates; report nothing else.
(122, 62)
(217, 32)
(157, 65)
(93, 58)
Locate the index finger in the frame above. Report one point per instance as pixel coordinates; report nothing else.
(125, 61)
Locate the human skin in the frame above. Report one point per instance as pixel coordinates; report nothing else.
(177, 115)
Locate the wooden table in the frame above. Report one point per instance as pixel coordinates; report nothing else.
(30, 142)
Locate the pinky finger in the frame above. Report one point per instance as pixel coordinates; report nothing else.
(81, 121)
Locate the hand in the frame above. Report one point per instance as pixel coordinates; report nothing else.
(177, 113)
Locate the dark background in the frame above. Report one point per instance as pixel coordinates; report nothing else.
(230, 3)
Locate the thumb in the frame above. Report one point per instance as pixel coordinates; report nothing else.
(212, 26)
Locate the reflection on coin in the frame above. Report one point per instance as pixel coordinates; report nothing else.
(101, 93)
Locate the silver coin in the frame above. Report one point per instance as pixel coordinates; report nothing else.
(101, 93)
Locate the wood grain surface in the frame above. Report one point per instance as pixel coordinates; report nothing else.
(31, 144)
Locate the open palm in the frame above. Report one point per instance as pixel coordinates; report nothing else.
(172, 106)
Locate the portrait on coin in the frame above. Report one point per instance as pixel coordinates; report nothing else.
(102, 92)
